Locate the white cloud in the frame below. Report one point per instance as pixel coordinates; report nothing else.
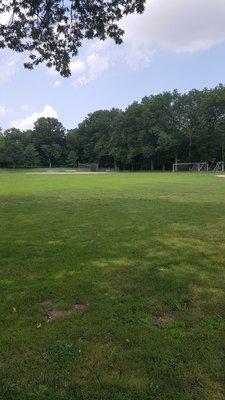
(176, 25)
(4, 18)
(171, 25)
(2, 111)
(8, 64)
(77, 66)
(181, 26)
(95, 64)
(28, 122)
(56, 84)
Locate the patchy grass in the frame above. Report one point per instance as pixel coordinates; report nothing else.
(144, 257)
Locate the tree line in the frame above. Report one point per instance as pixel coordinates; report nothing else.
(151, 134)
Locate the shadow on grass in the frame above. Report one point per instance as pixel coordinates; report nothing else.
(131, 263)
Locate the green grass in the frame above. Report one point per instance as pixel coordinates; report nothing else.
(146, 253)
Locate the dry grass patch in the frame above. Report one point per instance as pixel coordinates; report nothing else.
(52, 312)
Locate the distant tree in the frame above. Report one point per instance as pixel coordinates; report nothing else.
(72, 158)
(191, 119)
(165, 146)
(132, 126)
(94, 135)
(13, 148)
(52, 153)
(2, 146)
(31, 157)
(2, 140)
(13, 153)
(153, 134)
(74, 143)
(53, 30)
(118, 141)
(48, 131)
(212, 136)
(27, 137)
(220, 137)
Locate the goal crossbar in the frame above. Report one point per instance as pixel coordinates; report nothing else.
(88, 166)
(197, 167)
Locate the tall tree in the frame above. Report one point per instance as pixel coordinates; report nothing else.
(94, 133)
(118, 141)
(2, 147)
(31, 157)
(191, 123)
(48, 132)
(72, 158)
(13, 148)
(52, 153)
(213, 121)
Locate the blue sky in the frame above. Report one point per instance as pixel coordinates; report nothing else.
(174, 44)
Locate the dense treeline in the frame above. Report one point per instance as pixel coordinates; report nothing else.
(152, 134)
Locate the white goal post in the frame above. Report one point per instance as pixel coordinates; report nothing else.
(90, 167)
(218, 167)
(191, 167)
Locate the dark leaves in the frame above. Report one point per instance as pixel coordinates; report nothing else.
(53, 32)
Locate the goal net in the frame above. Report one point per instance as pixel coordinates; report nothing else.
(93, 167)
(191, 167)
(217, 167)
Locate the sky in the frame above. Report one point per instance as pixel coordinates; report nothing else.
(174, 44)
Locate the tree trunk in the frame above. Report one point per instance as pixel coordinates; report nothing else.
(190, 147)
(223, 152)
(152, 165)
(115, 164)
(164, 167)
(49, 163)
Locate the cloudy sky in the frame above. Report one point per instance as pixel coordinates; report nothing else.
(174, 44)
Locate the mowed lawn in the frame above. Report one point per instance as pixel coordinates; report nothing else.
(112, 286)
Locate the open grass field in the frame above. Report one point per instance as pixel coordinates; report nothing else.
(112, 286)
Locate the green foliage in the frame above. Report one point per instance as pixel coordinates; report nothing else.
(48, 131)
(52, 31)
(31, 158)
(2, 142)
(51, 152)
(151, 134)
(72, 158)
(13, 148)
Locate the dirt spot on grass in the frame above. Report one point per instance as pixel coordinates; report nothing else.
(161, 320)
(83, 374)
(168, 197)
(52, 312)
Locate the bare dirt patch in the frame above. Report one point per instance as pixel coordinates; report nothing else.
(52, 312)
(65, 173)
(163, 319)
(83, 374)
(220, 176)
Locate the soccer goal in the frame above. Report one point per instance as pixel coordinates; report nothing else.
(218, 167)
(191, 167)
(93, 167)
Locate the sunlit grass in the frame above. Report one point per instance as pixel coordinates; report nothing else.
(146, 253)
